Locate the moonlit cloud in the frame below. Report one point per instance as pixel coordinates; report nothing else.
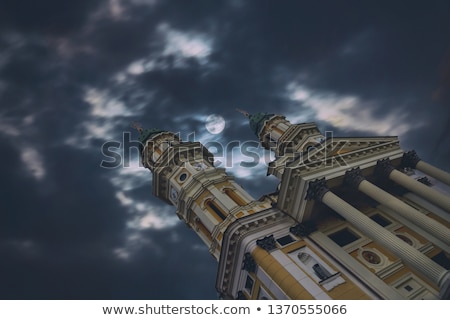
(116, 9)
(8, 129)
(134, 242)
(187, 45)
(32, 160)
(348, 112)
(140, 66)
(108, 116)
(103, 105)
(119, 10)
(152, 220)
(146, 215)
(181, 45)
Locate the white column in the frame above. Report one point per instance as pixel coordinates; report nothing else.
(436, 197)
(410, 256)
(430, 225)
(436, 173)
(411, 159)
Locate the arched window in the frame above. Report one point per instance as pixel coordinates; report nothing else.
(278, 130)
(215, 210)
(312, 263)
(235, 197)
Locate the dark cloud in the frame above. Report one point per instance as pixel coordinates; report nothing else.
(75, 74)
(89, 273)
(47, 16)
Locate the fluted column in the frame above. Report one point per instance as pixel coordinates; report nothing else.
(318, 191)
(385, 169)
(355, 179)
(436, 173)
(411, 159)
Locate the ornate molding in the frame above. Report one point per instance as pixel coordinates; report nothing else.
(303, 229)
(237, 232)
(317, 189)
(267, 243)
(321, 159)
(410, 159)
(425, 181)
(249, 264)
(384, 168)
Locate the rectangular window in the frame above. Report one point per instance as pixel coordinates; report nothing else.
(263, 295)
(382, 221)
(344, 237)
(249, 284)
(285, 240)
(442, 260)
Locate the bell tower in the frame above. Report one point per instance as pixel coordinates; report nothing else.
(206, 198)
(283, 138)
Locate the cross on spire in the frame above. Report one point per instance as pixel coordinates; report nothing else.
(245, 113)
(137, 126)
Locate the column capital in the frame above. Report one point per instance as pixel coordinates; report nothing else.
(410, 159)
(317, 189)
(384, 168)
(267, 243)
(303, 229)
(354, 177)
(425, 181)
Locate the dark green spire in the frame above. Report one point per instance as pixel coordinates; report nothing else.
(148, 133)
(257, 121)
(145, 135)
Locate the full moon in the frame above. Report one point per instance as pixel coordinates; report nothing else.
(215, 124)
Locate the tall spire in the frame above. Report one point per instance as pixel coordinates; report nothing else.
(256, 120)
(144, 134)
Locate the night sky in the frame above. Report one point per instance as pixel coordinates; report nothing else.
(75, 74)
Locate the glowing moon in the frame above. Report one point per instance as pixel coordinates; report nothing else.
(215, 123)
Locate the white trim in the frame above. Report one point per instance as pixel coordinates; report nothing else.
(418, 287)
(362, 273)
(328, 284)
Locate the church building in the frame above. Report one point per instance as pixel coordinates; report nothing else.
(352, 217)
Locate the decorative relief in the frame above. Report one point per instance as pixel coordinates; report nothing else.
(173, 194)
(373, 258)
(408, 239)
(267, 243)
